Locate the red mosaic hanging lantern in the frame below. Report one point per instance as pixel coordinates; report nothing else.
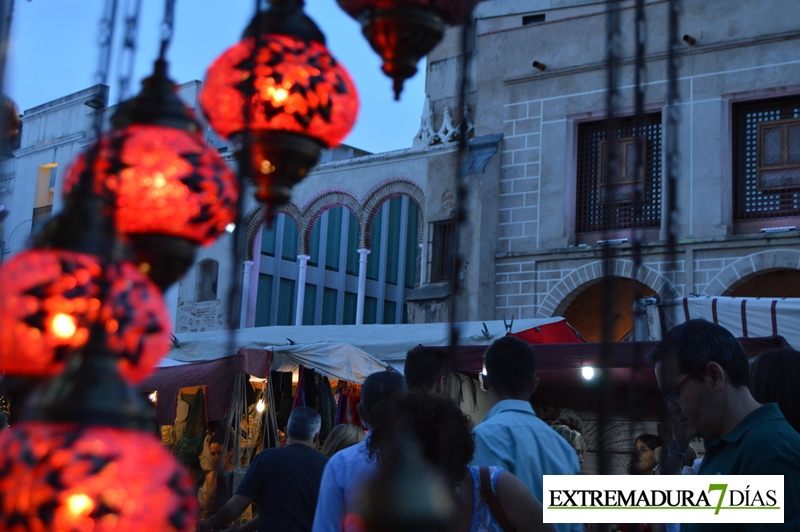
(403, 31)
(173, 192)
(281, 95)
(50, 299)
(59, 476)
(166, 181)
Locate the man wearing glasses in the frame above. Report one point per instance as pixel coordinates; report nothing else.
(702, 371)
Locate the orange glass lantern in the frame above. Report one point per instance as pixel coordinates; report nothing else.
(403, 31)
(281, 95)
(59, 476)
(50, 299)
(173, 192)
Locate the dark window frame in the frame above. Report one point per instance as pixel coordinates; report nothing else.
(593, 215)
(442, 243)
(756, 207)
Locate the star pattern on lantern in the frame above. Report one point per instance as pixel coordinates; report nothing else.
(167, 181)
(51, 298)
(294, 86)
(99, 479)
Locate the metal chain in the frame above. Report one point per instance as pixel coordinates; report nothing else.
(461, 189)
(671, 137)
(128, 54)
(7, 14)
(105, 41)
(636, 384)
(613, 53)
(167, 28)
(237, 242)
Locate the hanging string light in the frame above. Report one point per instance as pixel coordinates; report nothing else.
(403, 31)
(280, 92)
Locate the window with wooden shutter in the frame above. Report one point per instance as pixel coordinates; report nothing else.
(779, 154)
(622, 170)
(765, 163)
(617, 189)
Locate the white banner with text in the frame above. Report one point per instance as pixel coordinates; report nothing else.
(663, 499)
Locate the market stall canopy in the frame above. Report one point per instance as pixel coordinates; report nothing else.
(745, 317)
(384, 342)
(216, 375)
(334, 360)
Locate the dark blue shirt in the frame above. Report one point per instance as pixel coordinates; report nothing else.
(763, 443)
(285, 482)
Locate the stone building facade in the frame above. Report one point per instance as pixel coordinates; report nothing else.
(531, 249)
(530, 240)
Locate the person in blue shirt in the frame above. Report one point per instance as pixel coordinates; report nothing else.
(511, 435)
(348, 470)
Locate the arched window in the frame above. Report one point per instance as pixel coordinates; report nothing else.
(207, 275)
(331, 289)
(277, 273)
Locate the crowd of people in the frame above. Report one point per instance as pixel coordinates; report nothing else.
(746, 414)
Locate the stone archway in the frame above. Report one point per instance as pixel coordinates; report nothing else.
(586, 310)
(316, 207)
(255, 219)
(746, 268)
(564, 293)
(382, 193)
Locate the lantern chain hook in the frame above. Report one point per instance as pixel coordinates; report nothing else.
(128, 54)
(167, 28)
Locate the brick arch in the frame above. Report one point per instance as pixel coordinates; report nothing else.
(254, 219)
(570, 287)
(380, 194)
(750, 266)
(324, 201)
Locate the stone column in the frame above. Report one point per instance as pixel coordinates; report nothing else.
(302, 265)
(362, 285)
(245, 293)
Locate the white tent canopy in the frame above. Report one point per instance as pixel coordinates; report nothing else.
(388, 343)
(749, 317)
(334, 360)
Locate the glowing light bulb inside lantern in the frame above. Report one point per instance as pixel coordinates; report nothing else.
(231, 227)
(79, 504)
(280, 95)
(587, 372)
(260, 406)
(64, 326)
(153, 397)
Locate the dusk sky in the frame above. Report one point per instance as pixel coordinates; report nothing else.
(54, 52)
